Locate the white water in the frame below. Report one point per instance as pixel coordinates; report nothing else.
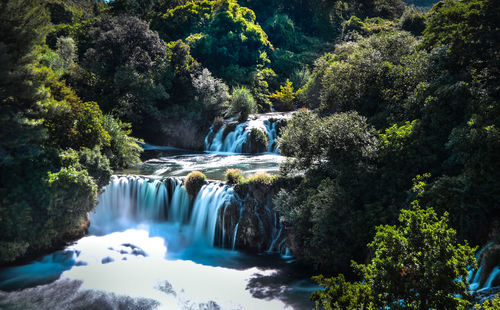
(130, 200)
(234, 141)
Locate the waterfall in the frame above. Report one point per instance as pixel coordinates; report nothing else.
(492, 277)
(233, 138)
(132, 200)
(208, 204)
(487, 275)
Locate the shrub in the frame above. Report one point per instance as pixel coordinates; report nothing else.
(261, 178)
(96, 164)
(258, 141)
(193, 183)
(123, 150)
(241, 104)
(234, 176)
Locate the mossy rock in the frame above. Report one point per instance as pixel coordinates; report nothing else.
(194, 182)
(230, 127)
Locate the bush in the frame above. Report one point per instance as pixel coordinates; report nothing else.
(241, 104)
(194, 182)
(234, 176)
(123, 150)
(261, 178)
(258, 141)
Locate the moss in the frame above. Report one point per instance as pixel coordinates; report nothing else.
(194, 182)
(234, 176)
(261, 180)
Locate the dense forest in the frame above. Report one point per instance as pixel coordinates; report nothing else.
(394, 144)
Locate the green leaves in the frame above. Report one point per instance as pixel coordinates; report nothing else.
(416, 265)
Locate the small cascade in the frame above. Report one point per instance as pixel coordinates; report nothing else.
(272, 146)
(492, 277)
(487, 275)
(233, 137)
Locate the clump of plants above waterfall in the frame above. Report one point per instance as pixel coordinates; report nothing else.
(194, 182)
(234, 176)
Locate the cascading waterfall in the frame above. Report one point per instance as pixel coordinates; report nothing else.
(235, 140)
(133, 199)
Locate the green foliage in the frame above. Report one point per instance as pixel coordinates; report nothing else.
(342, 141)
(282, 32)
(123, 150)
(326, 227)
(283, 100)
(241, 104)
(73, 188)
(194, 182)
(262, 80)
(212, 93)
(340, 294)
(183, 20)
(96, 164)
(416, 265)
(336, 155)
(491, 304)
(381, 70)
(257, 141)
(468, 28)
(234, 176)
(48, 138)
(72, 123)
(412, 21)
(353, 28)
(262, 178)
(222, 35)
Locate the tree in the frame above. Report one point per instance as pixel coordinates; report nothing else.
(342, 142)
(283, 99)
(416, 265)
